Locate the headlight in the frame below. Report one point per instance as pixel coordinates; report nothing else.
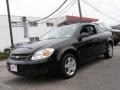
(45, 53)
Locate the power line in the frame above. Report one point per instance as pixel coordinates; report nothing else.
(113, 5)
(98, 10)
(53, 12)
(65, 9)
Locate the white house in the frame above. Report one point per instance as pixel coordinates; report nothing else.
(18, 32)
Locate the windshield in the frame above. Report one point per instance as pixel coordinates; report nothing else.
(61, 32)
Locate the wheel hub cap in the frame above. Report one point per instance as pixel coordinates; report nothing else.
(70, 66)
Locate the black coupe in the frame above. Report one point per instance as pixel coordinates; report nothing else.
(61, 50)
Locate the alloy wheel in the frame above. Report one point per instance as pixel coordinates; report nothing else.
(70, 66)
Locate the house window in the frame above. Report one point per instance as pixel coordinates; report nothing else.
(50, 24)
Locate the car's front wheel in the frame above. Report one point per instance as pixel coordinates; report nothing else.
(68, 66)
(109, 51)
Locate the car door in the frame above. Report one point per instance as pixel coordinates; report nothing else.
(102, 39)
(87, 44)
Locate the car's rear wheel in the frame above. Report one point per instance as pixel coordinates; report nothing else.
(68, 66)
(109, 51)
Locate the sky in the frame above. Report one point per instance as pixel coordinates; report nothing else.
(41, 8)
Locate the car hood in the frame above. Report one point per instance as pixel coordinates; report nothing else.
(31, 48)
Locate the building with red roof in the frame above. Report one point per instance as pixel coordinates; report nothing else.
(66, 20)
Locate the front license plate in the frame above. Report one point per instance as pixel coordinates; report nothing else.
(13, 68)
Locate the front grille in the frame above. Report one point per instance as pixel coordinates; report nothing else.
(20, 56)
(32, 69)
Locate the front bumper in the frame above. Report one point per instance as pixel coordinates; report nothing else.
(28, 68)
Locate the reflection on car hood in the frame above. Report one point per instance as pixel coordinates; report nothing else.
(38, 45)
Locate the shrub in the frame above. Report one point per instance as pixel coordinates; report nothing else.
(3, 55)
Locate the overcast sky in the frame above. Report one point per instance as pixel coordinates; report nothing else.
(42, 8)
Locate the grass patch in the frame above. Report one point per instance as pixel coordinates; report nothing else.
(3, 55)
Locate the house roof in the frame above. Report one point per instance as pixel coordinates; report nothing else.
(76, 19)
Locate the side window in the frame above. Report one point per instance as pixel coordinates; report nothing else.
(88, 30)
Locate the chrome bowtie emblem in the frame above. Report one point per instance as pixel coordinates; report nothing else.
(17, 56)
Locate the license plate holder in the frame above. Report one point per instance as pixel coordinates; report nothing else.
(13, 68)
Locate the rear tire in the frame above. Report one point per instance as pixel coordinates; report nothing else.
(68, 66)
(109, 51)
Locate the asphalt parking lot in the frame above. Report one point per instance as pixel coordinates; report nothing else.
(98, 74)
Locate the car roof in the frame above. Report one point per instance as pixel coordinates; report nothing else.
(77, 24)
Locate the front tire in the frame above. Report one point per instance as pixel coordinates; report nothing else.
(68, 66)
(109, 51)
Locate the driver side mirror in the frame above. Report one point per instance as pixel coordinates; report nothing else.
(84, 34)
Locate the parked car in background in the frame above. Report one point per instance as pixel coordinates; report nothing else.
(16, 45)
(116, 35)
(116, 27)
(62, 50)
(115, 32)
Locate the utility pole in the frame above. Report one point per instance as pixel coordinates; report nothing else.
(25, 27)
(10, 27)
(79, 8)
